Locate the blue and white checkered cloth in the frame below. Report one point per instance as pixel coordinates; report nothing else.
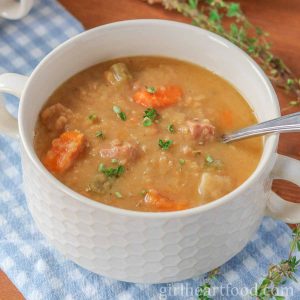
(36, 269)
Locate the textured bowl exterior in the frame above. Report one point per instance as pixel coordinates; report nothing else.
(141, 249)
(133, 246)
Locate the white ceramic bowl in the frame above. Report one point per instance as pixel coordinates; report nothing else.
(136, 246)
(13, 9)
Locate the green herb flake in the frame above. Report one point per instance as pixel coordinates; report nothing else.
(214, 16)
(279, 298)
(251, 49)
(122, 116)
(147, 122)
(111, 172)
(92, 117)
(209, 159)
(151, 89)
(193, 4)
(99, 134)
(171, 128)
(116, 109)
(120, 113)
(151, 113)
(114, 160)
(118, 195)
(203, 291)
(165, 145)
(101, 167)
(234, 30)
(150, 116)
(181, 161)
(290, 81)
(212, 162)
(233, 9)
(294, 103)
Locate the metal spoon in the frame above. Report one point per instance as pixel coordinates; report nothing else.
(288, 123)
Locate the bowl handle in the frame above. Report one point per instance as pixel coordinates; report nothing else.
(17, 9)
(12, 84)
(289, 169)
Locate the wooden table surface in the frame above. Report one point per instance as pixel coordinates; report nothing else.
(279, 17)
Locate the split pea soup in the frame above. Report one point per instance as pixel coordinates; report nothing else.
(142, 133)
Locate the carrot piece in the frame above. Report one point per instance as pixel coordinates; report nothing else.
(226, 118)
(156, 200)
(162, 97)
(65, 149)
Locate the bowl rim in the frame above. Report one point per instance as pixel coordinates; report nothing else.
(266, 155)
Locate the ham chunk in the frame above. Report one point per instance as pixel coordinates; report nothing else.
(55, 117)
(214, 186)
(202, 131)
(122, 151)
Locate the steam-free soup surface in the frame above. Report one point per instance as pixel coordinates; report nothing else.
(141, 133)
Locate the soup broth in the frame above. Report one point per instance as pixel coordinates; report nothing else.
(142, 133)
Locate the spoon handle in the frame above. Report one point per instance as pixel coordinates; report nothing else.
(288, 123)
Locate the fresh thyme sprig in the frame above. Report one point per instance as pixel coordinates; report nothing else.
(211, 15)
(203, 290)
(279, 274)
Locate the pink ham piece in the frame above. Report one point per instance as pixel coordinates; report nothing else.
(203, 130)
(126, 152)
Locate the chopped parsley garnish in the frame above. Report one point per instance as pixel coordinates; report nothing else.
(99, 134)
(92, 117)
(118, 194)
(111, 172)
(101, 167)
(171, 128)
(151, 89)
(116, 109)
(147, 122)
(150, 115)
(122, 116)
(120, 113)
(215, 163)
(182, 161)
(209, 159)
(165, 145)
(114, 160)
